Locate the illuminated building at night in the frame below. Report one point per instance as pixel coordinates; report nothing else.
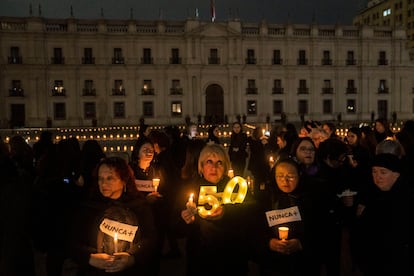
(77, 72)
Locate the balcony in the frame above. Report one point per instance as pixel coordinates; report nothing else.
(176, 91)
(326, 61)
(175, 60)
(351, 90)
(382, 62)
(302, 61)
(59, 92)
(213, 60)
(277, 90)
(384, 90)
(251, 60)
(350, 62)
(118, 60)
(88, 60)
(147, 91)
(118, 92)
(303, 90)
(15, 60)
(16, 92)
(147, 60)
(88, 92)
(327, 90)
(58, 60)
(277, 61)
(251, 90)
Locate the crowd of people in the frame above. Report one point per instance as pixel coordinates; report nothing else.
(290, 201)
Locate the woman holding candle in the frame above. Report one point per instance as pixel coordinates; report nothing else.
(280, 245)
(113, 230)
(216, 235)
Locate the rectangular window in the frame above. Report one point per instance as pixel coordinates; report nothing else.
(251, 107)
(302, 60)
(277, 107)
(326, 60)
(147, 88)
(15, 57)
(175, 56)
(119, 110)
(303, 89)
(250, 57)
(59, 111)
(88, 56)
(148, 109)
(303, 107)
(277, 60)
(351, 89)
(147, 58)
(351, 106)
(88, 89)
(89, 109)
(327, 106)
(350, 59)
(214, 56)
(16, 89)
(118, 57)
(251, 86)
(176, 109)
(382, 59)
(382, 89)
(58, 56)
(277, 86)
(382, 109)
(118, 89)
(176, 88)
(327, 89)
(58, 88)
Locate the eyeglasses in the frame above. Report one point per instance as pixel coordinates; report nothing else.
(307, 149)
(286, 177)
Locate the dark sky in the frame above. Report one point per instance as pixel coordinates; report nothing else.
(273, 11)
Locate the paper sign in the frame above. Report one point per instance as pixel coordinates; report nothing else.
(125, 232)
(144, 185)
(276, 217)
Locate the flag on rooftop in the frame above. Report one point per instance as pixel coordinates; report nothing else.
(213, 10)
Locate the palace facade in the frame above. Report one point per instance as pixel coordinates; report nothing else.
(76, 72)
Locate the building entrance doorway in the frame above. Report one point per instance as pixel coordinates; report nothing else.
(17, 118)
(214, 104)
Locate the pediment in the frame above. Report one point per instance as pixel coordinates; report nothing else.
(213, 29)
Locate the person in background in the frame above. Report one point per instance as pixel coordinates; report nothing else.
(384, 231)
(382, 130)
(330, 129)
(303, 151)
(237, 149)
(368, 139)
(213, 135)
(97, 244)
(217, 236)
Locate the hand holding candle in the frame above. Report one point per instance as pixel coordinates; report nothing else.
(230, 173)
(191, 207)
(283, 233)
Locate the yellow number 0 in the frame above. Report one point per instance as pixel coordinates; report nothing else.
(207, 195)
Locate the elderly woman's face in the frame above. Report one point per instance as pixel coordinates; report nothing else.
(213, 168)
(384, 178)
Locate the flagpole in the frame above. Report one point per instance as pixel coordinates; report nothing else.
(212, 10)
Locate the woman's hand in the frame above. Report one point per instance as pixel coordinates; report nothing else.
(285, 246)
(111, 263)
(188, 216)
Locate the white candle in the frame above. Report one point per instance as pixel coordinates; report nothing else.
(191, 199)
(230, 173)
(116, 243)
(283, 233)
(155, 183)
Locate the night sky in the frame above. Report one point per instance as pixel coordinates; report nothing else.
(273, 11)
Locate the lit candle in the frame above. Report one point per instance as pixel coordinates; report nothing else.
(155, 183)
(283, 233)
(191, 199)
(190, 205)
(116, 243)
(263, 132)
(230, 173)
